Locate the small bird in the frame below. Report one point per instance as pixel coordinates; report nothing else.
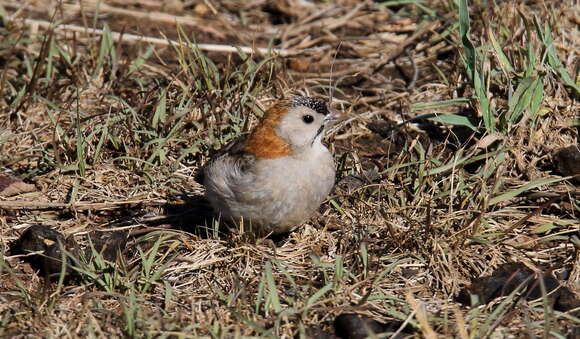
(274, 178)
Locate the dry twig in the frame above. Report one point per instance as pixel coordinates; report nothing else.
(132, 38)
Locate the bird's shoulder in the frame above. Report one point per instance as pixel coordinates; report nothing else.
(235, 152)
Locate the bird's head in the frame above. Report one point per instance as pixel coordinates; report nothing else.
(290, 125)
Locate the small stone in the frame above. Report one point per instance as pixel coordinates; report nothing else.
(201, 9)
(10, 186)
(568, 161)
(299, 64)
(509, 277)
(49, 248)
(355, 326)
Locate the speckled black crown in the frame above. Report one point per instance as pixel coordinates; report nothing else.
(317, 105)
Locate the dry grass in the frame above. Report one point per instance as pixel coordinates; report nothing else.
(452, 139)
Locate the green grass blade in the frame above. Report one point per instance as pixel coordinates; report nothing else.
(501, 57)
(537, 97)
(453, 119)
(553, 59)
(273, 297)
(468, 48)
(521, 99)
(319, 294)
(139, 61)
(531, 185)
(160, 111)
(439, 104)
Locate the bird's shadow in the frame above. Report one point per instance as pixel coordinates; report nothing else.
(191, 214)
(194, 214)
(187, 213)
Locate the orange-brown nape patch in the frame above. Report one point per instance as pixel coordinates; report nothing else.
(264, 142)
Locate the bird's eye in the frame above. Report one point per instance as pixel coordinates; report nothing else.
(308, 119)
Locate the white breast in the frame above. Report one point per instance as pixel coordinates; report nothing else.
(281, 193)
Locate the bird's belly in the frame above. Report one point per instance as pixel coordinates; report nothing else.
(284, 194)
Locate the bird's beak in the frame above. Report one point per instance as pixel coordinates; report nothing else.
(332, 116)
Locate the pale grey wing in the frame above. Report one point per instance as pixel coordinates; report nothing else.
(228, 175)
(235, 149)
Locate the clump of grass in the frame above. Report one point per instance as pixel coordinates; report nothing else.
(139, 125)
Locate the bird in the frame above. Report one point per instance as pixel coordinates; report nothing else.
(272, 180)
